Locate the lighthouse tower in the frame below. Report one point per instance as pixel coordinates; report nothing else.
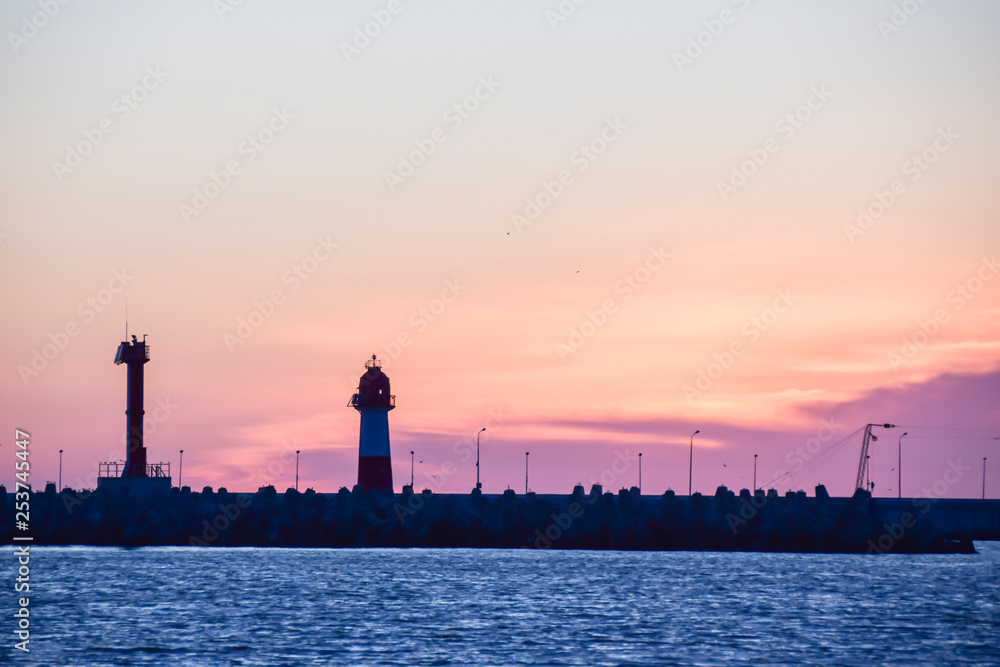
(134, 355)
(373, 400)
(138, 478)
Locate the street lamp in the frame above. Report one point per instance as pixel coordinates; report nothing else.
(640, 473)
(868, 473)
(526, 473)
(180, 474)
(296, 470)
(755, 474)
(984, 476)
(478, 485)
(691, 460)
(60, 470)
(411, 471)
(899, 467)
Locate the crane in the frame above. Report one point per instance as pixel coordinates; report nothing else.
(869, 437)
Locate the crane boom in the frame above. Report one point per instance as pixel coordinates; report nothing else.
(865, 444)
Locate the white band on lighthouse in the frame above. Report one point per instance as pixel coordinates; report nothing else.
(374, 433)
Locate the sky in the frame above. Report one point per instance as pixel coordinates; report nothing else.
(592, 229)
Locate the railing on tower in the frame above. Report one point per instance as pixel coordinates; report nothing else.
(116, 468)
(354, 400)
(110, 469)
(157, 470)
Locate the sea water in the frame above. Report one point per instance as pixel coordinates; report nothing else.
(245, 606)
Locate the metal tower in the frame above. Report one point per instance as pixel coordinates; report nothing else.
(135, 355)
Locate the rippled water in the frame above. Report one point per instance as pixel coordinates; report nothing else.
(190, 606)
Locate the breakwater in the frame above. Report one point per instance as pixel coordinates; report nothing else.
(725, 521)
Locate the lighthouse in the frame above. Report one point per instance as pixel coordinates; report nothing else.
(374, 400)
(138, 477)
(134, 355)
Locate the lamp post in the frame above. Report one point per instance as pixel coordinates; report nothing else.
(478, 485)
(755, 474)
(868, 473)
(691, 460)
(526, 473)
(60, 470)
(899, 467)
(180, 474)
(411, 470)
(984, 476)
(640, 473)
(296, 470)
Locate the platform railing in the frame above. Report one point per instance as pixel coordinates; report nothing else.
(116, 468)
(157, 470)
(353, 403)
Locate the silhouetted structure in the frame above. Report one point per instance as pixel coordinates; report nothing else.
(725, 521)
(134, 355)
(138, 507)
(374, 400)
(136, 476)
